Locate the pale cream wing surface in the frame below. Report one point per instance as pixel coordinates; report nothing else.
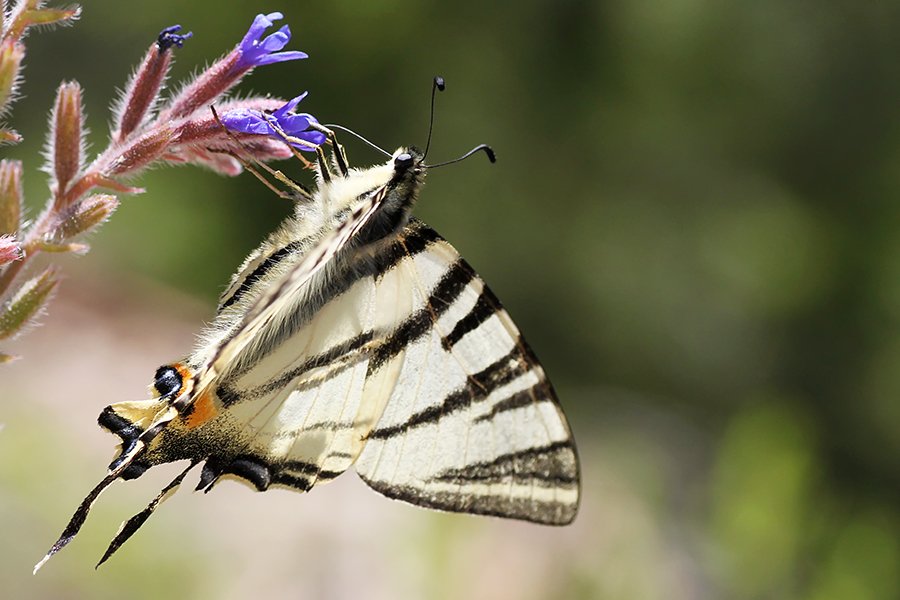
(294, 413)
(301, 412)
(307, 408)
(263, 317)
(473, 424)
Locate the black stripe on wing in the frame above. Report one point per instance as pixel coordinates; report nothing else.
(538, 484)
(259, 272)
(385, 261)
(541, 464)
(448, 289)
(519, 361)
(458, 276)
(546, 467)
(478, 386)
(356, 265)
(484, 309)
(415, 238)
(339, 356)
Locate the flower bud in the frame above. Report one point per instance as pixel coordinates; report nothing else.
(67, 141)
(11, 196)
(10, 249)
(9, 136)
(144, 87)
(28, 303)
(143, 151)
(11, 55)
(44, 246)
(28, 12)
(81, 218)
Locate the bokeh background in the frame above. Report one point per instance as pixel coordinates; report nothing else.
(695, 220)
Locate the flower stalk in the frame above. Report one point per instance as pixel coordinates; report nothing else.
(146, 130)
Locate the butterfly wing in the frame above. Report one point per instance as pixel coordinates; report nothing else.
(376, 344)
(204, 416)
(415, 372)
(256, 386)
(472, 425)
(295, 417)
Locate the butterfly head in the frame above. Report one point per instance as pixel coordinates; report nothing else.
(408, 167)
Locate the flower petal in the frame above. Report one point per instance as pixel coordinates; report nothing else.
(295, 125)
(254, 53)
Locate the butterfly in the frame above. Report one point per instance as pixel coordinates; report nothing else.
(355, 335)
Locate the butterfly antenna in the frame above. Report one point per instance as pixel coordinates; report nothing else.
(487, 150)
(359, 137)
(438, 86)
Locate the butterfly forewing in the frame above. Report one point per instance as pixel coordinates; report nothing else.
(473, 424)
(286, 302)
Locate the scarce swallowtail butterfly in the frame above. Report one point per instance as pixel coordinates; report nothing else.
(357, 336)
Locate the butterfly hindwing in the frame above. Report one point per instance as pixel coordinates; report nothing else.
(291, 389)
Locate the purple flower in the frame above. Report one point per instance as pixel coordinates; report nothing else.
(254, 53)
(288, 123)
(169, 37)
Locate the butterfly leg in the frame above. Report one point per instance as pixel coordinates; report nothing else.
(299, 190)
(340, 155)
(324, 170)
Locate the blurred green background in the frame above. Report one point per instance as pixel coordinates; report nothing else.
(695, 220)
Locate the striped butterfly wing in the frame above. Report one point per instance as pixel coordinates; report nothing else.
(296, 416)
(376, 346)
(418, 375)
(276, 402)
(298, 401)
(472, 425)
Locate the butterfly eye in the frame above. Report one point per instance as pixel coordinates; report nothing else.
(403, 161)
(168, 382)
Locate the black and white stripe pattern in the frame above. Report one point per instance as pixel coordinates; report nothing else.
(437, 398)
(473, 424)
(356, 335)
(408, 367)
